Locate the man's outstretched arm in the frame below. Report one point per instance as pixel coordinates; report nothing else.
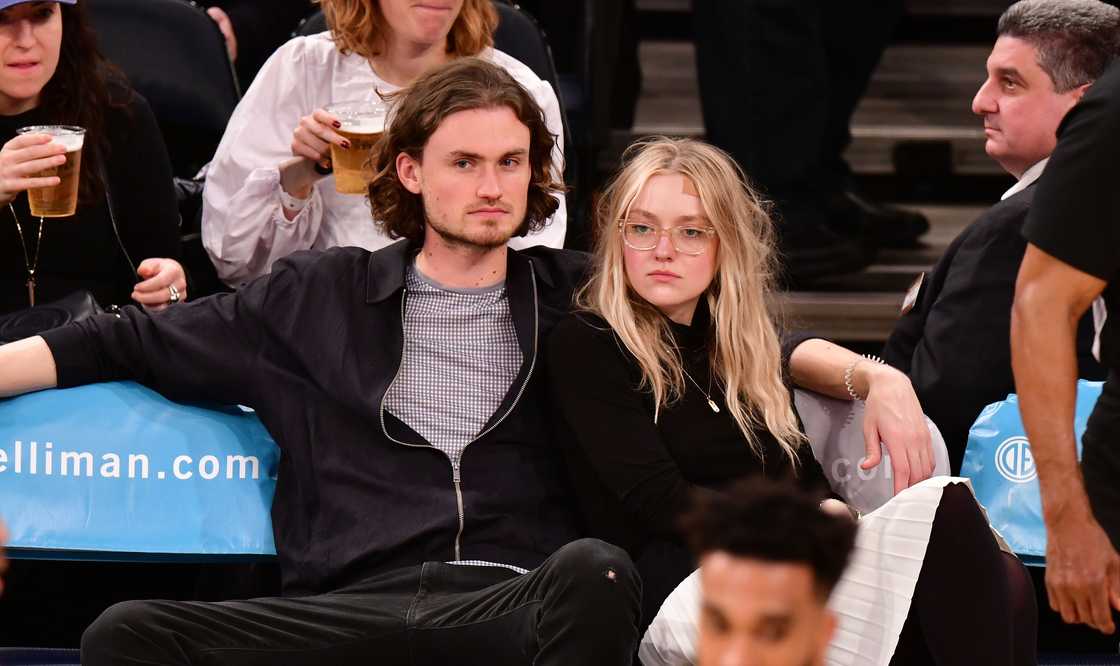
(1082, 567)
(26, 365)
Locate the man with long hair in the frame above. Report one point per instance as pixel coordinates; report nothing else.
(375, 373)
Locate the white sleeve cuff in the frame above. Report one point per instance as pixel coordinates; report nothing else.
(291, 203)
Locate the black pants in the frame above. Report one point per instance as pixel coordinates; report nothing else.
(1100, 458)
(972, 604)
(779, 80)
(579, 607)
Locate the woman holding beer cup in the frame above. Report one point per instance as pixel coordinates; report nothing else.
(87, 150)
(269, 192)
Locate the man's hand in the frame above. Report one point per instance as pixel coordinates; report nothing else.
(1082, 572)
(226, 26)
(894, 418)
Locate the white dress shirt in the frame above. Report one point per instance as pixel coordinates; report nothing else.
(243, 225)
(1029, 176)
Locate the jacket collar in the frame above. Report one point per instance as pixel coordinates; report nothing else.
(386, 269)
(385, 273)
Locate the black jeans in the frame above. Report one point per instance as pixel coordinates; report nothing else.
(780, 79)
(579, 607)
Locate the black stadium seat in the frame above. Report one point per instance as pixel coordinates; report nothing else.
(174, 55)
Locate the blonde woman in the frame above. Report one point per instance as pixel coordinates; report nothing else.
(672, 381)
(264, 197)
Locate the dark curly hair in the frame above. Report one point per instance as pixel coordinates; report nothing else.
(463, 85)
(772, 521)
(83, 87)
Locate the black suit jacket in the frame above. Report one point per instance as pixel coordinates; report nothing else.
(955, 343)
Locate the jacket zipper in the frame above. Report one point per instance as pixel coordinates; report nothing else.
(456, 479)
(516, 399)
(459, 502)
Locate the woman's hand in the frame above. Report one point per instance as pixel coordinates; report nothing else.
(313, 137)
(159, 275)
(24, 156)
(894, 418)
(311, 141)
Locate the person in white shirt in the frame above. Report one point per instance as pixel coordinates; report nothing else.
(264, 197)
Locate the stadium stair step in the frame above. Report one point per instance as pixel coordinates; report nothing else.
(918, 98)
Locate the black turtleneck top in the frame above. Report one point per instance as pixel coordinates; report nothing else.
(634, 478)
(82, 252)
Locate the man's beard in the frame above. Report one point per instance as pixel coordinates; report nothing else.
(486, 237)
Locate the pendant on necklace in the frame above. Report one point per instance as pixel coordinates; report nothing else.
(712, 404)
(31, 289)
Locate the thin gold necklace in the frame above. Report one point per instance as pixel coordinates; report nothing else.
(708, 393)
(31, 265)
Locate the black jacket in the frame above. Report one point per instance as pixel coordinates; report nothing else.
(955, 343)
(313, 348)
(634, 476)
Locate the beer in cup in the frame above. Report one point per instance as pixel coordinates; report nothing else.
(62, 199)
(362, 125)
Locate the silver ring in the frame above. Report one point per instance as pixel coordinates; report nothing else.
(174, 294)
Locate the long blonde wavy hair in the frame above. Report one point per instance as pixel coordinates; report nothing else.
(358, 26)
(746, 354)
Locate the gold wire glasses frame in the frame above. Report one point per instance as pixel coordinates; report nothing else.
(686, 240)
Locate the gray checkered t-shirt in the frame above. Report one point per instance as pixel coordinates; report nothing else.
(460, 358)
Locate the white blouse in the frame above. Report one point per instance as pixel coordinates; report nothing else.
(243, 225)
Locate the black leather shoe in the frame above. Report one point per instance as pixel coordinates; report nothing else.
(854, 216)
(812, 252)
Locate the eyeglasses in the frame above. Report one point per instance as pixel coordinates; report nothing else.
(687, 240)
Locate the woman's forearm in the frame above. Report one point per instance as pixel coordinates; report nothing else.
(297, 177)
(819, 366)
